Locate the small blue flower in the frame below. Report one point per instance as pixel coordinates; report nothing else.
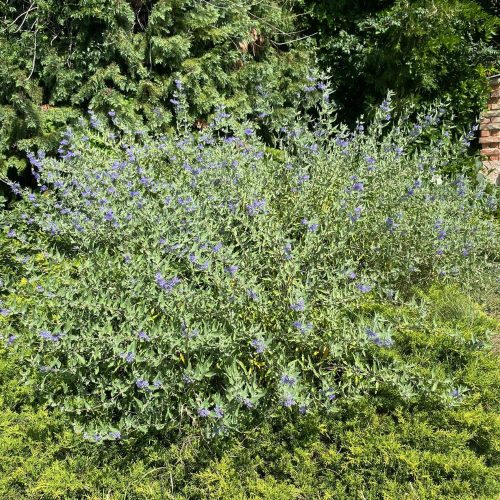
(141, 383)
(303, 327)
(288, 380)
(375, 338)
(143, 336)
(203, 412)
(298, 306)
(15, 187)
(247, 403)
(287, 251)
(303, 178)
(256, 207)
(167, 285)
(259, 346)
(385, 106)
(109, 215)
(357, 214)
(188, 334)
(288, 402)
(363, 288)
(129, 357)
(389, 222)
(232, 270)
(330, 394)
(46, 335)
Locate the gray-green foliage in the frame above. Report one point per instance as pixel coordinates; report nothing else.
(207, 281)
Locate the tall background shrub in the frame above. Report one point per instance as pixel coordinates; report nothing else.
(58, 59)
(423, 50)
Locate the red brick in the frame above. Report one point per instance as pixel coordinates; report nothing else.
(490, 152)
(494, 132)
(484, 133)
(493, 106)
(495, 119)
(494, 158)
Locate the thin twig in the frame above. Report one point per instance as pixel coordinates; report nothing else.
(254, 16)
(34, 55)
(296, 40)
(25, 14)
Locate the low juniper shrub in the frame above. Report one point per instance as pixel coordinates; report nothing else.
(207, 281)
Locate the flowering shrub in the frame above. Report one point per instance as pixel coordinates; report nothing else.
(207, 281)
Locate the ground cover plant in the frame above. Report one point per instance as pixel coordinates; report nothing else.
(207, 283)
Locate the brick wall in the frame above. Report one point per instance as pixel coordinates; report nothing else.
(490, 132)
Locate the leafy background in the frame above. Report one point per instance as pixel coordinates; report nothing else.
(60, 58)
